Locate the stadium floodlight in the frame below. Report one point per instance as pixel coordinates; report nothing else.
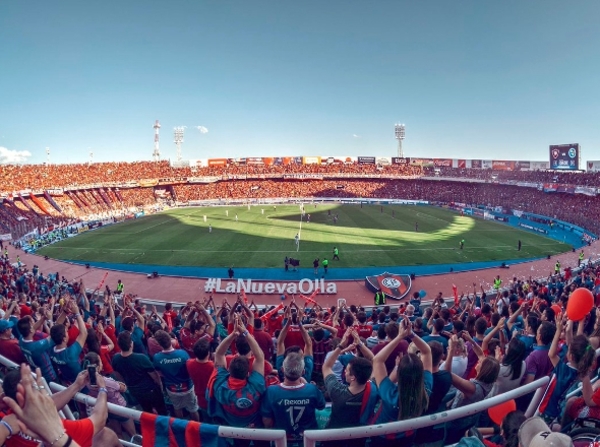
(179, 140)
(47, 155)
(400, 134)
(91, 155)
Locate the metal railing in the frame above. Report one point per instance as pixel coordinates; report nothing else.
(312, 436)
(255, 434)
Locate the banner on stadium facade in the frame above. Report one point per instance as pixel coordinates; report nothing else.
(586, 190)
(486, 164)
(442, 162)
(333, 160)
(205, 179)
(296, 160)
(549, 187)
(460, 164)
(593, 165)
(148, 182)
(311, 160)
(475, 164)
(55, 192)
(383, 161)
(6, 237)
(217, 162)
(569, 189)
(564, 157)
(254, 161)
(366, 160)
(522, 166)
(422, 161)
(503, 165)
(307, 176)
(400, 161)
(539, 165)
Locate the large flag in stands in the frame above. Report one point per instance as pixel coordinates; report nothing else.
(162, 431)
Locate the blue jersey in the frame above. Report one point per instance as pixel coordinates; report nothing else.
(37, 355)
(292, 408)
(238, 401)
(174, 372)
(67, 361)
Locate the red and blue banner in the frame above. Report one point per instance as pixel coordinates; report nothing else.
(162, 431)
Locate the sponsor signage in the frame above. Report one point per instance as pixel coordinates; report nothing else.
(366, 160)
(311, 160)
(148, 182)
(476, 164)
(305, 286)
(400, 161)
(217, 162)
(503, 165)
(564, 157)
(442, 162)
(522, 165)
(531, 227)
(6, 237)
(422, 161)
(392, 285)
(462, 164)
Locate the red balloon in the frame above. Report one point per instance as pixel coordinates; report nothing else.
(580, 304)
(498, 412)
(556, 308)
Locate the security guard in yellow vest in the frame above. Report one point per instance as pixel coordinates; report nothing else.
(379, 298)
(497, 283)
(557, 268)
(581, 256)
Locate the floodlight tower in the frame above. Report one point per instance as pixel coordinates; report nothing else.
(156, 153)
(179, 140)
(400, 133)
(91, 156)
(47, 155)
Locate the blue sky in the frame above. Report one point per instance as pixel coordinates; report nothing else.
(471, 79)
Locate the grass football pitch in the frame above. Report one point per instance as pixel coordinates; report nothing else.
(262, 236)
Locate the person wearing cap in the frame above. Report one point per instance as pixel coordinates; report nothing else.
(535, 433)
(9, 345)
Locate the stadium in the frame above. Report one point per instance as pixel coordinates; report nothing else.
(216, 231)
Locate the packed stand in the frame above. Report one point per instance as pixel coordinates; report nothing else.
(232, 363)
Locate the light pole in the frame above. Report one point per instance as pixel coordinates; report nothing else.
(47, 155)
(91, 156)
(179, 140)
(400, 133)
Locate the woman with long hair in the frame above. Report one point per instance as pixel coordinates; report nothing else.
(470, 391)
(409, 397)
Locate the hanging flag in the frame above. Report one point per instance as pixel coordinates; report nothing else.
(162, 431)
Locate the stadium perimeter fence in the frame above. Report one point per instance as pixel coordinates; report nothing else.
(311, 437)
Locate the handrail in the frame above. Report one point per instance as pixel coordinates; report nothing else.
(312, 436)
(256, 434)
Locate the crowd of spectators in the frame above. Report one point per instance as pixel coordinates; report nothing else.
(565, 178)
(233, 363)
(52, 176)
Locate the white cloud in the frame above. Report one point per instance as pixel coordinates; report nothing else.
(202, 129)
(8, 156)
(356, 136)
